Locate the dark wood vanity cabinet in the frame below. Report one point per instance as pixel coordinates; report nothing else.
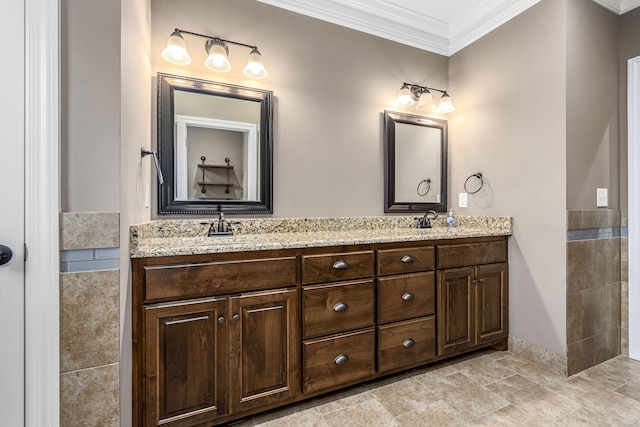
(221, 346)
(338, 318)
(406, 308)
(222, 336)
(472, 296)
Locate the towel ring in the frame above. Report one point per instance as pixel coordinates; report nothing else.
(428, 182)
(476, 175)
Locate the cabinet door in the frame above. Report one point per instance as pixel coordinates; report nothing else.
(264, 348)
(185, 362)
(492, 302)
(456, 303)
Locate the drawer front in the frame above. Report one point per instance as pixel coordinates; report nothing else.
(338, 360)
(406, 344)
(334, 267)
(409, 260)
(330, 309)
(471, 254)
(406, 297)
(198, 280)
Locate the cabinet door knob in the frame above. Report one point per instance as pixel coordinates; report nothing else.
(407, 259)
(474, 281)
(340, 265)
(221, 320)
(408, 296)
(341, 306)
(408, 343)
(481, 279)
(341, 359)
(236, 317)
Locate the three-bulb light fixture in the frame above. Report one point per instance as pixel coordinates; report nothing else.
(410, 93)
(217, 54)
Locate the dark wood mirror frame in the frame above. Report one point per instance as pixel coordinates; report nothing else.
(167, 203)
(391, 205)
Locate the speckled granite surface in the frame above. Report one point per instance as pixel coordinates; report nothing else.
(188, 237)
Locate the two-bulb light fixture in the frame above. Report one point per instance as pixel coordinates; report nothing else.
(217, 54)
(410, 93)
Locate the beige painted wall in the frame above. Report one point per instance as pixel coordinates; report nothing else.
(629, 48)
(90, 94)
(593, 157)
(510, 124)
(331, 85)
(135, 114)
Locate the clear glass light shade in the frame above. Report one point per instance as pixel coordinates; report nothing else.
(217, 59)
(255, 66)
(425, 101)
(176, 50)
(445, 105)
(404, 97)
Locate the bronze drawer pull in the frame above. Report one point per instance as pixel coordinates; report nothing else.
(236, 317)
(408, 343)
(221, 320)
(341, 359)
(341, 306)
(408, 296)
(407, 259)
(340, 265)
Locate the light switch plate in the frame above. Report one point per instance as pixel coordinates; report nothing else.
(462, 200)
(602, 198)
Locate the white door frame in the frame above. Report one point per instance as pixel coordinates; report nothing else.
(633, 144)
(42, 189)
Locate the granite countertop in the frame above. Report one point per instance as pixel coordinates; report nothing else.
(189, 237)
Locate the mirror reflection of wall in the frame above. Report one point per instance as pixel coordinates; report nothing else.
(417, 163)
(217, 128)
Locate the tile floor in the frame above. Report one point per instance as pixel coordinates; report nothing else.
(488, 388)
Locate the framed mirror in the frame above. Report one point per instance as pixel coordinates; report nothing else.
(215, 147)
(415, 150)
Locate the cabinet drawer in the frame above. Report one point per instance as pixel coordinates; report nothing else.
(215, 278)
(471, 254)
(406, 344)
(409, 260)
(406, 297)
(338, 360)
(334, 267)
(329, 309)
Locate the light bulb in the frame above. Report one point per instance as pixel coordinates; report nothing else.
(176, 50)
(255, 66)
(404, 96)
(217, 56)
(445, 105)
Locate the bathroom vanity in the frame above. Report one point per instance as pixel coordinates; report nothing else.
(227, 327)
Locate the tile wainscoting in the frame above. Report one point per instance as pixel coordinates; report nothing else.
(89, 319)
(596, 283)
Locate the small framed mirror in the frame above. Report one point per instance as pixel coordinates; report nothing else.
(415, 150)
(215, 147)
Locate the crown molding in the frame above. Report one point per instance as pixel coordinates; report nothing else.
(432, 37)
(619, 6)
(389, 20)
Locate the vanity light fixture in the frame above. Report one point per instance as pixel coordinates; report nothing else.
(410, 93)
(217, 54)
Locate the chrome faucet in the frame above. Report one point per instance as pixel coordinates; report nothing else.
(425, 221)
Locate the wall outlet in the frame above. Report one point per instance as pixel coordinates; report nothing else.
(602, 198)
(462, 200)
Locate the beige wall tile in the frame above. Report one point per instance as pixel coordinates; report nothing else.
(607, 257)
(89, 319)
(607, 345)
(89, 230)
(574, 317)
(90, 397)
